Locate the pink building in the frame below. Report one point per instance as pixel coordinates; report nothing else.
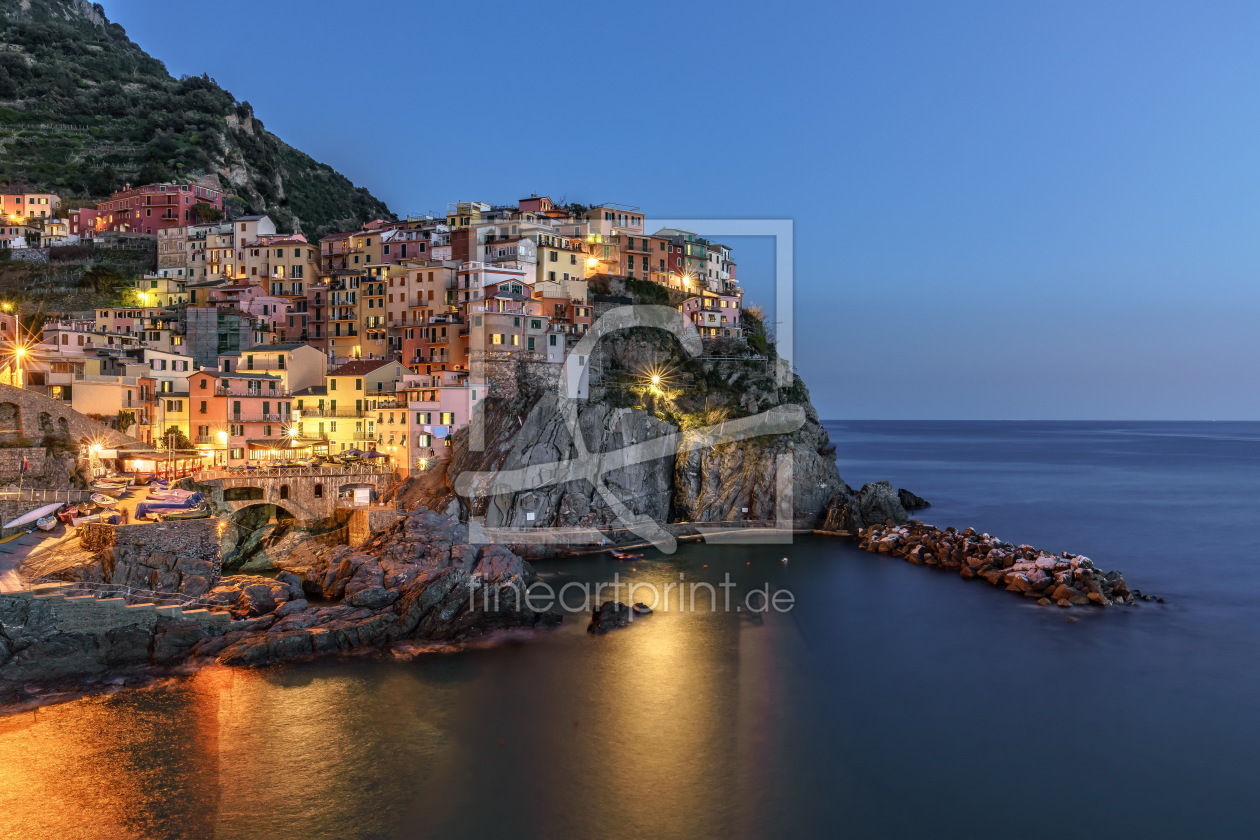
(253, 301)
(82, 222)
(715, 315)
(431, 407)
(153, 207)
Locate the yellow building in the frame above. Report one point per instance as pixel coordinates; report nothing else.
(560, 258)
(344, 413)
(168, 287)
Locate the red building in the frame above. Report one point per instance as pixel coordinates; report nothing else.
(153, 207)
(82, 221)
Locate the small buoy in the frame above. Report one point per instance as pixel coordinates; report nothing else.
(784, 559)
(706, 565)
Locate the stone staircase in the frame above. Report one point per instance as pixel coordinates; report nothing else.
(89, 613)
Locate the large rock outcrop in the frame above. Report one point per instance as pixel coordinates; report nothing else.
(419, 581)
(723, 443)
(876, 503)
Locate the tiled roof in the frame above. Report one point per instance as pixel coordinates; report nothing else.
(360, 367)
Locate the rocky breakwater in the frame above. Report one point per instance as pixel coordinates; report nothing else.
(418, 581)
(1064, 579)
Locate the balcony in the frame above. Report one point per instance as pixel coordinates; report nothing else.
(250, 392)
(367, 436)
(304, 413)
(259, 418)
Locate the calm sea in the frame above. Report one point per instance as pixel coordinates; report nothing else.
(893, 701)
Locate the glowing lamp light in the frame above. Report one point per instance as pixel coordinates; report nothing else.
(223, 437)
(592, 262)
(96, 448)
(656, 380)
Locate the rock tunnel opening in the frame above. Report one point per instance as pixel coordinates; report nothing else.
(252, 532)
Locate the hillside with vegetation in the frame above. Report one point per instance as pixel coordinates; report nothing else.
(84, 110)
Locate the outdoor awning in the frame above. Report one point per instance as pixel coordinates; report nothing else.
(287, 444)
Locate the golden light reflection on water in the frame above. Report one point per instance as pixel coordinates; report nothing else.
(135, 764)
(661, 729)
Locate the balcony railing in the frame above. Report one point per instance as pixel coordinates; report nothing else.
(368, 436)
(331, 412)
(259, 418)
(248, 392)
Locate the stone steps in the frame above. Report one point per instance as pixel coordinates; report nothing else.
(59, 591)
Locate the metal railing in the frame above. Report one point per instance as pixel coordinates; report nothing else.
(330, 470)
(332, 412)
(48, 496)
(250, 392)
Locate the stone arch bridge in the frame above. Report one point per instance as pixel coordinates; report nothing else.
(311, 494)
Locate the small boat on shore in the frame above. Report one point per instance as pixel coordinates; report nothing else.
(33, 516)
(46, 523)
(200, 511)
(641, 608)
(103, 500)
(108, 488)
(625, 555)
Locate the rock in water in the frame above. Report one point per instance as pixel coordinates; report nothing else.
(909, 501)
(609, 615)
(875, 504)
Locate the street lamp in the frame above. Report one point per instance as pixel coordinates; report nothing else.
(19, 353)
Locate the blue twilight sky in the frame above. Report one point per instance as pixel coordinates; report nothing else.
(1003, 210)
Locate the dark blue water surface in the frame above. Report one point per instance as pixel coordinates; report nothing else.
(893, 701)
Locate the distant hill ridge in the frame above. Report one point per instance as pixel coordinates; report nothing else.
(84, 110)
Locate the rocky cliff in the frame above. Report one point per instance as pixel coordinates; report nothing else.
(725, 435)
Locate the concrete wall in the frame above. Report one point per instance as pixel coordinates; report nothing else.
(170, 557)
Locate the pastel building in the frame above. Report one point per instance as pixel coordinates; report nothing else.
(20, 207)
(247, 415)
(715, 315)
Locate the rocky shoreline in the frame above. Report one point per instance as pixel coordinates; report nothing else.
(1064, 579)
(419, 581)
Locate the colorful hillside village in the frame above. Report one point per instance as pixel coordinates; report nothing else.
(247, 344)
